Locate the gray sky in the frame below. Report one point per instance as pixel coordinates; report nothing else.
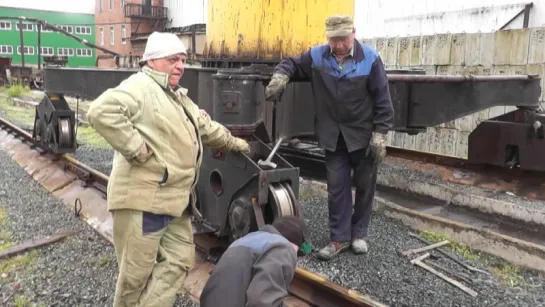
(74, 6)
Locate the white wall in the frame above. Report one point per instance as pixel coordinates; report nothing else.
(183, 13)
(381, 18)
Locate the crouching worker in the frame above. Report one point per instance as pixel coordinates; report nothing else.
(256, 270)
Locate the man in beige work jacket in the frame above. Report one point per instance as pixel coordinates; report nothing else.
(158, 134)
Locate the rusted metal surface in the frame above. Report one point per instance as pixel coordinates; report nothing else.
(446, 168)
(459, 78)
(318, 291)
(461, 171)
(514, 140)
(19, 248)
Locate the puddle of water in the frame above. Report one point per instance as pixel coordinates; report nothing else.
(468, 216)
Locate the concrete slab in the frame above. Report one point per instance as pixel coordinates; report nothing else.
(404, 51)
(416, 50)
(428, 50)
(391, 51)
(457, 49)
(442, 49)
(536, 46)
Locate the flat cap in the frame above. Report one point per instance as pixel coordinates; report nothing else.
(338, 25)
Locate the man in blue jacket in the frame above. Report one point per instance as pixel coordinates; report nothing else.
(354, 112)
(256, 270)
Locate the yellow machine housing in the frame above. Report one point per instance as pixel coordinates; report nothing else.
(268, 29)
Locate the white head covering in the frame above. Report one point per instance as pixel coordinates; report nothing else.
(161, 45)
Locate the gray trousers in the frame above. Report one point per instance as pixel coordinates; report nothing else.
(347, 222)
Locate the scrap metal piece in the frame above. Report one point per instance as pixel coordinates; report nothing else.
(449, 255)
(418, 261)
(17, 249)
(425, 248)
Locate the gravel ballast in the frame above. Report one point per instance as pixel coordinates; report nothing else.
(386, 276)
(391, 279)
(81, 270)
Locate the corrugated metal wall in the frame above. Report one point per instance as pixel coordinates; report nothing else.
(183, 13)
(393, 18)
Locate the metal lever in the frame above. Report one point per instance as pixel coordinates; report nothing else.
(267, 163)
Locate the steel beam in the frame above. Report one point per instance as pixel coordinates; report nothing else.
(420, 101)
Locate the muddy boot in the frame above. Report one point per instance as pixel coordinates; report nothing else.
(359, 246)
(332, 249)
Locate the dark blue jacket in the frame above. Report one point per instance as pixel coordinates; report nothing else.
(254, 271)
(354, 100)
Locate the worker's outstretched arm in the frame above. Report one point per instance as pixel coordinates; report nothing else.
(273, 273)
(378, 87)
(215, 135)
(111, 115)
(297, 68)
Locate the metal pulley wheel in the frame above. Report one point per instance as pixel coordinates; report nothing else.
(65, 135)
(282, 200)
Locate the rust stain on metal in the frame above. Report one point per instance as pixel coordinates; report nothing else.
(459, 171)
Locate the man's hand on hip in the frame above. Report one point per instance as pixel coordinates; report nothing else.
(276, 87)
(378, 145)
(142, 156)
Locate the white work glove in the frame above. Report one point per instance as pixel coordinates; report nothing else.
(378, 146)
(241, 146)
(276, 87)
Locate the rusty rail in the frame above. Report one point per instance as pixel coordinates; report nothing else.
(89, 175)
(458, 78)
(449, 168)
(306, 289)
(319, 291)
(525, 183)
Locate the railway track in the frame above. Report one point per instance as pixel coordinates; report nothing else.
(523, 183)
(78, 184)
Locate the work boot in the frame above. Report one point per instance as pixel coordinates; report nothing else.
(333, 249)
(359, 246)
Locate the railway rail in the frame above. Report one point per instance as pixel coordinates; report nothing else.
(528, 184)
(63, 171)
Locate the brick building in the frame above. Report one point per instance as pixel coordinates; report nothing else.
(120, 24)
